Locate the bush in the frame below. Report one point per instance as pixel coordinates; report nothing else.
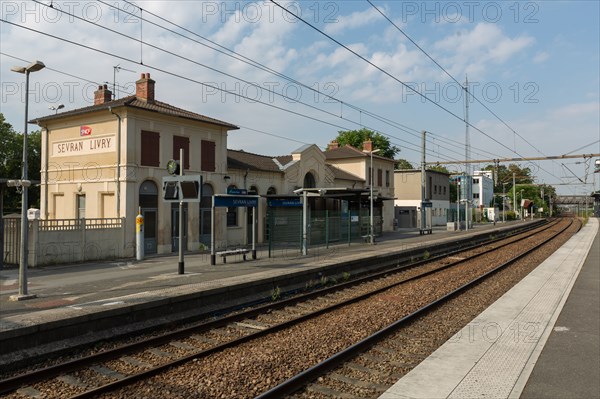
(511, 215)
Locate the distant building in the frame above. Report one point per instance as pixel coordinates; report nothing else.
(407, 190)
(483, 188)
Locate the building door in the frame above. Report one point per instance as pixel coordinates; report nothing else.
(150, 228)
(205, 213)
(148, 202)
(175, 227)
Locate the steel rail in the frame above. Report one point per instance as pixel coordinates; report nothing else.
(273, 329)
(13, 383)
(300, 380)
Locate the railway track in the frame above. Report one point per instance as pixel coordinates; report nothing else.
(211, 343)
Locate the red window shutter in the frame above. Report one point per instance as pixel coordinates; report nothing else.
(208, 156)
(150, 149)
(180, 142)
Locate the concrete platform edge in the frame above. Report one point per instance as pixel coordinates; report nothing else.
(528, 369)
(449, 367)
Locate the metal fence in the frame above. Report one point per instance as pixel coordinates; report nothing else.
(11, 241)
(325, 228)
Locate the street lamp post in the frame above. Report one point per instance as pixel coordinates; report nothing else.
(372, 223)
(521, 204)
(458, 206)
(503, 204)
(33, 67)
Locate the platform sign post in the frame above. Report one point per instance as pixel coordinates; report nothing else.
(180, 264)
(180, 188)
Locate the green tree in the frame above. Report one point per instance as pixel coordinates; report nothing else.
(356, 138)
(440, 168)
(403, 164)
(505, 175)
(11, 163)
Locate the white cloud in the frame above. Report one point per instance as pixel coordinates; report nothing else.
(472, 51)
(355, 20)
(578, 110)
(540, 57)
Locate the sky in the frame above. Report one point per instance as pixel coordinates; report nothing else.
(295, 73)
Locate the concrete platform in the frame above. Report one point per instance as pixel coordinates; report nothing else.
(552, 313)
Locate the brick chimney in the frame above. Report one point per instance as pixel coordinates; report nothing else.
(368, 146)
(102, 95)
(333, 145)
(144, 88)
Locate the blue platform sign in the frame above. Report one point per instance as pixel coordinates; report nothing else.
(235, 201)
(427, 204)
(236, 191)
(284, 202)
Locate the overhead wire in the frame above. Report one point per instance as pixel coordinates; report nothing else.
(390, 75)
(450, 76)
(460, 84)
(240, 57)
(278, 74)
(187, 59)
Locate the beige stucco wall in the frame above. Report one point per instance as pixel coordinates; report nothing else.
(94, 174)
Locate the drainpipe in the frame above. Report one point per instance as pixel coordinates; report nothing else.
(118, 162)
(45, 134)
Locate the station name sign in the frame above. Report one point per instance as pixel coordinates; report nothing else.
(284, 202)
(235, 201)
(84, 146)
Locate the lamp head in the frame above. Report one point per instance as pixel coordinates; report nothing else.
(35, 66)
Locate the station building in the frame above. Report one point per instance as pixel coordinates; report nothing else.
(407, 184)
(107, 161)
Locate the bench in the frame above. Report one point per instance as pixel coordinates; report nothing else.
(238, 251)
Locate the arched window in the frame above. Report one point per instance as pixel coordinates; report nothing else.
(309, 181)
(271, 191)
(253, 190)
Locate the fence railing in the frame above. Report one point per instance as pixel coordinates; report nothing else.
(77, 224)
(64, 240)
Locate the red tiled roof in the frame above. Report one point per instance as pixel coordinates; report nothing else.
(134, 102)
(237, 159)
(349, 151)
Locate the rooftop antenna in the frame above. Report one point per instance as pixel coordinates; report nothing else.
(116, 69)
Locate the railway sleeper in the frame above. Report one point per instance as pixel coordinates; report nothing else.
(369, 371)
(72, 381)
(136, 362)
(358, 383)
(30, 392)
(323, 390)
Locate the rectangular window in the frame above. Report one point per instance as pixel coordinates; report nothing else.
(387, 178)
(475, 181)
(435, 189)
(207, 156)
(476, 196)
(180, 142)
(379, 177)
(150, 149)
(80, 206)
(444, 190)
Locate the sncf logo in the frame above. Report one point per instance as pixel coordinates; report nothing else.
(85, 131)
